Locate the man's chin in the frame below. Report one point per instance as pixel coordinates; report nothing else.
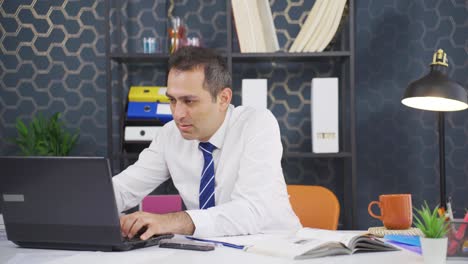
(187, 136)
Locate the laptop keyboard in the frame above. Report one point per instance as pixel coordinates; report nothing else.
(151, 240)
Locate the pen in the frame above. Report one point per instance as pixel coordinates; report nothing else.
(226, 244)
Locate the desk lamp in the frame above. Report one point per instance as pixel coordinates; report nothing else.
(436, 92)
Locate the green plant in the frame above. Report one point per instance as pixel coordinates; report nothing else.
(430, 223)
(44, 137)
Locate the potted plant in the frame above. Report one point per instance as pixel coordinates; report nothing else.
(44, 137)
(435, 229)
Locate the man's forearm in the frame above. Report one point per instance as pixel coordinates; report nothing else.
(180, 223)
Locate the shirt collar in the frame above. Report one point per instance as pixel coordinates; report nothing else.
(218, 137)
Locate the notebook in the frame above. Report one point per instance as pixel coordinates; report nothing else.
(62, 203)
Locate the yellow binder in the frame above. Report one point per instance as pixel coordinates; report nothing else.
(148, 94)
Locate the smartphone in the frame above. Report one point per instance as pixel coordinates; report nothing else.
(186, 244)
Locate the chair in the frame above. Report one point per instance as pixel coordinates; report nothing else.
(161, 204)
(316, 206)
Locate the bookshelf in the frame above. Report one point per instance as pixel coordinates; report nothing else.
(339, 60)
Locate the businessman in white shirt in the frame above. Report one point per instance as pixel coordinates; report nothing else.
(224, 161)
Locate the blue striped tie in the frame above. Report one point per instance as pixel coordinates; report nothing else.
(207, 182)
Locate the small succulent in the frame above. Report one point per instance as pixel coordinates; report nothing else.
(430, 223)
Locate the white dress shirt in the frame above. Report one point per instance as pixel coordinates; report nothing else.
(250, 191)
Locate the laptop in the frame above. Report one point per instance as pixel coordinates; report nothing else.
(62, 203)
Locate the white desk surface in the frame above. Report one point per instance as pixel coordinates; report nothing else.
(12, 254)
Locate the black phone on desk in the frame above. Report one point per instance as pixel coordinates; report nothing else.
(180, 243)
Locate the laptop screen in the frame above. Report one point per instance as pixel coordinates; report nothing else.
(59, 199)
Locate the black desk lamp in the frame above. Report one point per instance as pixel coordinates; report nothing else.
(436, 92)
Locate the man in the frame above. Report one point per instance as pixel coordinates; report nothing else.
(224, 161)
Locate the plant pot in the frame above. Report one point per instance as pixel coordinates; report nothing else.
(434, 250)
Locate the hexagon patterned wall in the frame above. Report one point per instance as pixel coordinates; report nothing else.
(52, 60)
(398, 146)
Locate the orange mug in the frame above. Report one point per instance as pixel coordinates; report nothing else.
(396, 210)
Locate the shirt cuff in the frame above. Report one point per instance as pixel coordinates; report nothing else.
(204, 224)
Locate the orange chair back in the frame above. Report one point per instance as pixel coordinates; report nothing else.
(316, 206)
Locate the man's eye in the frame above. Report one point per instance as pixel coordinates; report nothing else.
(172, 100)
(188, 101)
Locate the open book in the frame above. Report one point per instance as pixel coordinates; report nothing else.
(314, 243)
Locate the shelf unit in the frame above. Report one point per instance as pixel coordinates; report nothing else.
(344, 59)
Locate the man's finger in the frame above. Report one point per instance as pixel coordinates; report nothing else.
(148, 233)
(137, 226)
(123, 219)
(129, 222)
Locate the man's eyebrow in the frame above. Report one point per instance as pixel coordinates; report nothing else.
(185, 97)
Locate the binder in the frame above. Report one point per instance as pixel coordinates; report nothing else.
(149, 110)
(148, 94)
(324, 114)
(140, 133)
(254, 93)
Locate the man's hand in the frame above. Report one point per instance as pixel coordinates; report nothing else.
(156, 224)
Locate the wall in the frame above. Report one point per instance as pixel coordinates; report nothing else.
(397, 145)
(52, 58)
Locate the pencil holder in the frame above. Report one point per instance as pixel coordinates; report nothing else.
(458, 239)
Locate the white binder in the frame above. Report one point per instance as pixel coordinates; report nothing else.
(254, 93)
(324, 114)
(140, 133)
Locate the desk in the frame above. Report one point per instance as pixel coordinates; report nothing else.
(9, 252)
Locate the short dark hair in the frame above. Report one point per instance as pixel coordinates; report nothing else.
(217, 75)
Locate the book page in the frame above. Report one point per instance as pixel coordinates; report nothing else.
(294, 247)
(346, 238)
(370, 243)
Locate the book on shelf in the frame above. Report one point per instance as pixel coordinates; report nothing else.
(309, 26)
(320, 26)
(314, 243)
(267, 26)
(244, 24)
(254, 25)
(335, 18)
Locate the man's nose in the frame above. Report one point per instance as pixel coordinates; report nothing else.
(178, 111)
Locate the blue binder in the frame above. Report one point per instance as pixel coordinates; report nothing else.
(149, 110)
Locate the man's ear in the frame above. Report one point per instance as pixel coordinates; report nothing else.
(224, 98)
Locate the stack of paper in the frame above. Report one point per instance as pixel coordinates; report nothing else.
(320, 26)
(254, 24)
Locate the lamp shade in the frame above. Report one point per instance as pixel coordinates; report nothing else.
(435, 91)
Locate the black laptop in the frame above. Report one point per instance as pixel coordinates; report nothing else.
(62, 203)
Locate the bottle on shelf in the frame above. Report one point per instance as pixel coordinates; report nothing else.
(177, 34)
